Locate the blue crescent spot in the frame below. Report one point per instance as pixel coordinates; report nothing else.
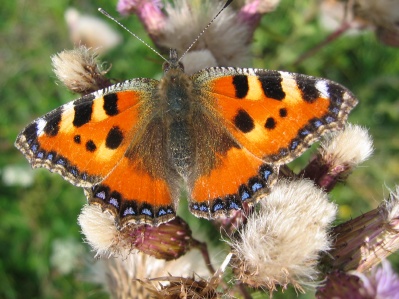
(294, 145)
(217, 207)
(129, 211)
(203, 208)
(329, 119)
(61, 162)
(234, 206)
(161, 212)
(335, 110)
(101, 195)
(266, 174)
(114, 202)
(244, 196)
(146, 211)
(317, 123)
(255, 187)
(34, 148)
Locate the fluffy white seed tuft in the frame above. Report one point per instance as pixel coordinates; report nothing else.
(280, 244)
(99, 229)
(351, 146)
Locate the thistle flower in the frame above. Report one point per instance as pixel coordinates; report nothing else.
(381, 282)
(251, 12)
(280, 243)
(227, 40)
(91, 32)
(364, 241)
(167, 241)
(149, 12)
(79, 70)
(194, 61)
(225, 43)
(338, 155)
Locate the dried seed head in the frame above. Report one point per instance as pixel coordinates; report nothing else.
(79, 70)
(280, 243)
(181, 287)
(338, 156)
(351, 147)
(122, 276)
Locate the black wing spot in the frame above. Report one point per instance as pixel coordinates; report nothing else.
(307, 87)
(111, 104)
(283, 112)
(114, 138)
(243, 121)
(77, 139)
(271, 85)
(52, 126)
(241, 86)
(91, 146)
(31, 131)
(270, 123)
(83, 112)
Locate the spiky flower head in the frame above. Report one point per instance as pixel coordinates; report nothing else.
(363, 242)
(380, 283)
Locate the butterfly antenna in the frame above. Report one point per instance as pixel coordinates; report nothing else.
(124, 27)
(206, 27)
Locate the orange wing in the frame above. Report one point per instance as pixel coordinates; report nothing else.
(86, 140)
(272, 117)
(276, 115)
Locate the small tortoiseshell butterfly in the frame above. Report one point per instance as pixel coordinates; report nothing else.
(221, 134)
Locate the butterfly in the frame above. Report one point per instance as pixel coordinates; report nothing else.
(220, 134)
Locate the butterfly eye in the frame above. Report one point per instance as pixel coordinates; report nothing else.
(166, 67)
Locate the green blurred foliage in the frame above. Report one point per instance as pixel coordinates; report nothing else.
(34, 218)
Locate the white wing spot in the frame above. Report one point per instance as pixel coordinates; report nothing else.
(41, 123)
(68, 106)
(286, 75)
(322, 87)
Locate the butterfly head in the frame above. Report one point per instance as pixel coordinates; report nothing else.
(173, 63)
